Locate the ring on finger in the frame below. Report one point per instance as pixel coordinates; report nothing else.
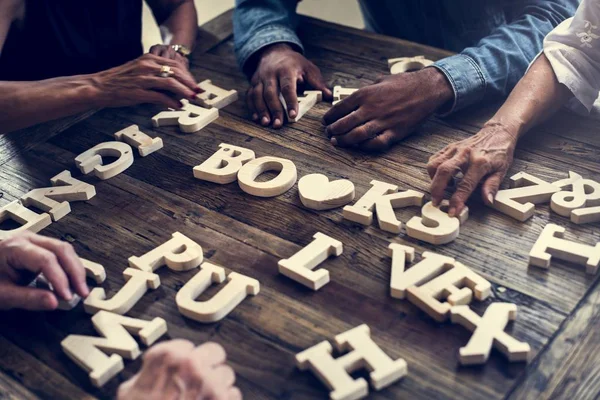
(166, 71)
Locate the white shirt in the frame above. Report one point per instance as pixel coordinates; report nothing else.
(573, 49)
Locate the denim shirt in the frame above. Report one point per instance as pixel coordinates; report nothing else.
(496, 39)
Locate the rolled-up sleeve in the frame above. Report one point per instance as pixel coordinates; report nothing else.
(259, 23)
(492, 68)
(573, 50)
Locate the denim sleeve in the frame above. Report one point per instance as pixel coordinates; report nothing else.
(492, 68)
(259, 23)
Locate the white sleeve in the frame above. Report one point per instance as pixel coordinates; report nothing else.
(573, 49)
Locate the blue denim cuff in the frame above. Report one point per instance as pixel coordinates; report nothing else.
(266, 36)
(467, 80)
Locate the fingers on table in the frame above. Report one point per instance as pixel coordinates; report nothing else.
(343, 108)
(445, 171)
(477, 168)
(289, 85)
(315, 79)
(69, 261)
(27, 298)
(271, 95)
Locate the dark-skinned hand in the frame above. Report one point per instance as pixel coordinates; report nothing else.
(484, 157)
(280, 69)
(378, 116)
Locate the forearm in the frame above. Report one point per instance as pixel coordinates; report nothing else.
(258, 24)
(535, 98)
(182, 24)
(492, 68)
(24, 104)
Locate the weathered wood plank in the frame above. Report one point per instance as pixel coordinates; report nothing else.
(139, 209)
(29, 377)
(568, 367)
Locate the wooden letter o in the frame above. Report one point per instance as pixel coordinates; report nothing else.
(280, 184)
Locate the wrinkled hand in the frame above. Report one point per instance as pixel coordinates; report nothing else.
(280, 69)
(486, 157)
(139, 81)
(377, 116)
(25, 256)
(175, 370)
(166, 51)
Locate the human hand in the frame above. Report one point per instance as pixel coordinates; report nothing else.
(175, 370)
(27, 255)
(280, 69)
(139, 81)
(377, 116)
(486, 157)
(167, 51)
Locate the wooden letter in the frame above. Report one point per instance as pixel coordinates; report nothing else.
(138, 139)
(300, 266)
(318, 193)
(28, 219)
(91, 160)
(311, 97)
(55, 200)
(179, 254)
(407, 64)
(90, 352)
(190, 118)
(585, 215)
(214, 96)
(385, 206)
(94, 270)
(400, 255)
(551, 243)
(223, 166)
(222, 303)
(362, 210)
(584, 193)
(527, 190)
(280, 184)
(137, 284)
(363, 353)
(340, 93)
(435, 226)
(457, 285)
(488, 331)
(428, 268)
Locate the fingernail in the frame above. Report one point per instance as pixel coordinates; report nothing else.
(68, 295)
(452, 212)
(292, 113)
(265, 121)
(490, 198)
(435, 202)
(198, 90)
(277, 122)
(180, 104)
(254, 117)
(334, 141)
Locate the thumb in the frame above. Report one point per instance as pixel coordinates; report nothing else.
(26, 298)
(490, 187)
(315, 79)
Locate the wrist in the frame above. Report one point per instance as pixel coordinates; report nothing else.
(96, 91)
(442, 91)
(502, 127)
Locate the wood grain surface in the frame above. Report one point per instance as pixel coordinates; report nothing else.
(139, 209)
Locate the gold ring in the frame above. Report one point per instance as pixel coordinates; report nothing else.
(165, 71)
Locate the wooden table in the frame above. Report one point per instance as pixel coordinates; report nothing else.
(139, 209)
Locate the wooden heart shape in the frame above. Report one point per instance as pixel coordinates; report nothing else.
(318, 193)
